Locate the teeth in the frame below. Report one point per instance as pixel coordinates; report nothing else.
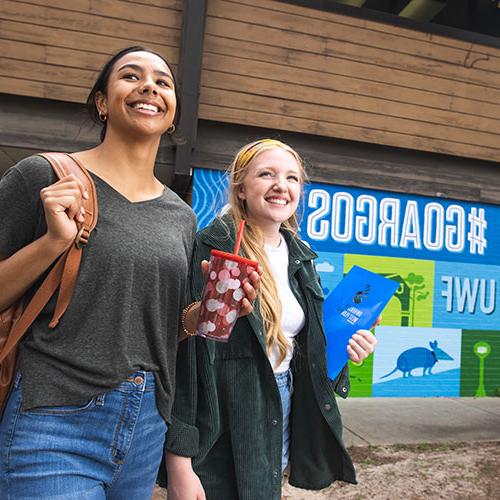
(142, 105)
(277, 201)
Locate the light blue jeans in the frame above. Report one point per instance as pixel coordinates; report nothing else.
(285, 387)
(109, 448)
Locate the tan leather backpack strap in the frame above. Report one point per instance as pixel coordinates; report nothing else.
(64, 165)
(35, 306)
(67, 283)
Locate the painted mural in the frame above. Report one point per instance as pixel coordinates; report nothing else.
(440, 333)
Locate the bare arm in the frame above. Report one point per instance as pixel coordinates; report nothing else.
(21, 270)
(62, 207)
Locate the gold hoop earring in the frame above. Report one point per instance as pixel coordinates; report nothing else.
(103, 117)
(171, 129)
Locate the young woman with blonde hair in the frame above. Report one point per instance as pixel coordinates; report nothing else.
(262, 401)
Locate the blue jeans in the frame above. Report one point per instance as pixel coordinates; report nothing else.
(285, 387)
(109, 448)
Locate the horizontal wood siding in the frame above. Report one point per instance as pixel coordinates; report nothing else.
(54, 48)
(275, 65)
(367, 166)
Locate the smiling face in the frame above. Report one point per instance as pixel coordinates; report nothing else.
(271, 188)
(140, 97)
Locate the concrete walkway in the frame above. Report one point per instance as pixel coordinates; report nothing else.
(374, 421)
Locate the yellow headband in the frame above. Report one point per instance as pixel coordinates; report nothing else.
(247, 156)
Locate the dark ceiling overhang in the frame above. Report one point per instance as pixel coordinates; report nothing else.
(423, 10)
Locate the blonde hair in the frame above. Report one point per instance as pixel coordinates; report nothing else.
(252, 242)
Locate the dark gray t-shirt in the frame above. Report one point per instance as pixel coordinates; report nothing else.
(124, 314)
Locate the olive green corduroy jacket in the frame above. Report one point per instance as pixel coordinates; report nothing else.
(227, 410)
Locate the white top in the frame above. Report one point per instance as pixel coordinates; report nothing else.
(292, 317)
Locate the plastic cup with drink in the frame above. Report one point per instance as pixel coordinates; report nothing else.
(223, 292)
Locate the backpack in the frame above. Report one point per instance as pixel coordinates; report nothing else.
(16, 320)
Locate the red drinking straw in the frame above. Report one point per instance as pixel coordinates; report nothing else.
(238, 237)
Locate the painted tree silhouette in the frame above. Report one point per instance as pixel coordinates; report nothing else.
(416, 284)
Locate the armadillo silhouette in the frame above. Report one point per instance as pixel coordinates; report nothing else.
(419, 357)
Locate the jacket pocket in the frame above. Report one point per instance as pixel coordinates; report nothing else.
(241, 343)
(226, 352)
(218, 351)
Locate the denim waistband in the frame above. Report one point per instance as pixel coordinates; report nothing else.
(283, 378)
(139, 380)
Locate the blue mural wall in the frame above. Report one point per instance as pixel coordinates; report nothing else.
(440, 334)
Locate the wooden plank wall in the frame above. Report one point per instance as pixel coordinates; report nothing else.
(276, 65)
(54, 48)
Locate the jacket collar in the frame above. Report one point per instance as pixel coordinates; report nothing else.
(221, 235)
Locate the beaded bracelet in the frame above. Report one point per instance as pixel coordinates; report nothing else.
(188, 308)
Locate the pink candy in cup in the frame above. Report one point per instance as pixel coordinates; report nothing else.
(222, 295)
